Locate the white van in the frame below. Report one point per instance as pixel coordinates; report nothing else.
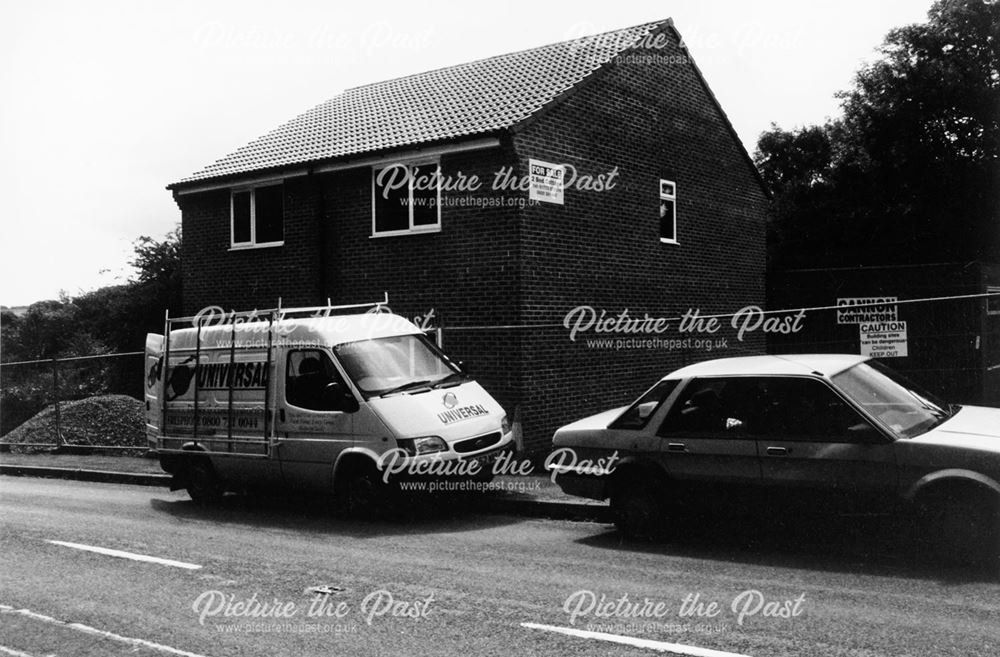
(310, 399)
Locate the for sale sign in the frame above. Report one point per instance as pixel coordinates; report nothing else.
(883, 339)
(547, 181)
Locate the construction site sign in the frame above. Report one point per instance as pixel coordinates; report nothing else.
(884, 339)
(867, 310)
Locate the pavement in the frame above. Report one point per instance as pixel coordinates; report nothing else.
(534, 496)
(115, 570)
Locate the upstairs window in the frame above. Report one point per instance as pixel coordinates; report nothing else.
(257, 216)
(668, 212)
(406, 198)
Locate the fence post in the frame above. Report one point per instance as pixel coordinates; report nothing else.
(55, 396)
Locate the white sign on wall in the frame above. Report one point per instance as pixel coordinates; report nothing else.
(858, 310)
(547, 181)
(883, 339)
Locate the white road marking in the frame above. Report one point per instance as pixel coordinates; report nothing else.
(86, 629)
(660, 646)
(4, 650)
(127, 555)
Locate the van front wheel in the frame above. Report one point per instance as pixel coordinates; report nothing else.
(364, 493)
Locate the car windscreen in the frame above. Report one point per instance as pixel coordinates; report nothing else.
(394, 364)
(898, 404)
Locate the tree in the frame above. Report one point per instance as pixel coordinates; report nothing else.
(121, 315)
(911, 172)
(107, 320)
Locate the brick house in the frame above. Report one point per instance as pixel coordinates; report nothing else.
(302, 214)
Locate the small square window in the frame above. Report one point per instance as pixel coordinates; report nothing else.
(668, 212)
(258, 216)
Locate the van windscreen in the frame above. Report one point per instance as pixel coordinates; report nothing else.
(394, 364)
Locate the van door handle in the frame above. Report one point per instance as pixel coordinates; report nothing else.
(778, 451)
(676, 447)
(281, 414)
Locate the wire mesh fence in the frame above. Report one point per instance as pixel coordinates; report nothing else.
(77, 403)
(94, 403)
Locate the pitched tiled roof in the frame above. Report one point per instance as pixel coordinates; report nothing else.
(475, 98)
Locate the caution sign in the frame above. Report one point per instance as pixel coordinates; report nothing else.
(883, 339)
(547, 181)
(864, 310)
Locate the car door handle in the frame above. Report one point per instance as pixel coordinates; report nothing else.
(778, 451)
(676, 447)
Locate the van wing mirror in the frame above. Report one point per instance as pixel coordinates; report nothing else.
(337, 397)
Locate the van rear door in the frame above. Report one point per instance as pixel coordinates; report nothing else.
(154, 385)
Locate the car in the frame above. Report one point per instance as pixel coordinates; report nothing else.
(837, 430)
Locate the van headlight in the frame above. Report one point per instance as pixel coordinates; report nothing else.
(504, 425)
(424, 445)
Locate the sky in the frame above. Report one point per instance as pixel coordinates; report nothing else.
(105, 103)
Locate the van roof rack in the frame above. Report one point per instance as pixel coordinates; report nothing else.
(277, 314)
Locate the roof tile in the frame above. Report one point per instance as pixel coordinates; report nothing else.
(473, 98)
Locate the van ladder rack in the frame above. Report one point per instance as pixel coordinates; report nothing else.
(273, 316)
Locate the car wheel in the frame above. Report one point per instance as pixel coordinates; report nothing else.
(963, 529)
(202, 484)
(636, 508)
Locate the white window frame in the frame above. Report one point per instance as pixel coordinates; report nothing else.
(673, 198)
(412, 230)
(252, 244)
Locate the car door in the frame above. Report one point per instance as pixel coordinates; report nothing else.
(704, 436)
(812, 440)
(311, 433)
(633, 435)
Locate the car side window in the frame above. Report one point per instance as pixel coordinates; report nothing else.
(308, 373)
(638, 414)
(717, 407)
(798, 408)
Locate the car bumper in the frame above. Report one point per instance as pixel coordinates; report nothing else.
(594, 488)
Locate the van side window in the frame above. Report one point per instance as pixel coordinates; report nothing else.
(308, 374)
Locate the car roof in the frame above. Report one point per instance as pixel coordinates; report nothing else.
(789, 364)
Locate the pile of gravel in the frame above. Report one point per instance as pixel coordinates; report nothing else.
(103, 420)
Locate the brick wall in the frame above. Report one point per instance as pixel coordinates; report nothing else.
(499, 266)
(468, 273)
(250, 278)
(603, 250)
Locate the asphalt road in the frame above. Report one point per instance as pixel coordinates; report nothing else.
(453, 582)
